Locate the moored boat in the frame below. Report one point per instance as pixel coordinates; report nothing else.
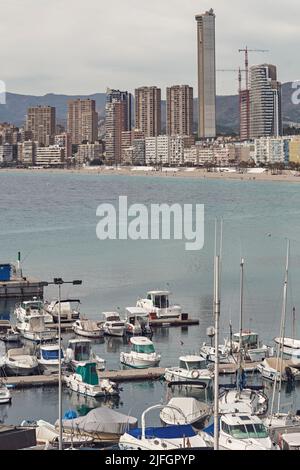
(157, 303)
(142, 354)
(20, 362)
(8, 333)
(80, 350)
(32, 308)
(113, 325)
(88, 328)
(48, 357)
(64, 309)
(194, 412)
(192, 370)
(85, 381)
(5, 396)
(34, 329)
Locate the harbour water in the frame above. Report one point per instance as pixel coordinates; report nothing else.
(51, 218)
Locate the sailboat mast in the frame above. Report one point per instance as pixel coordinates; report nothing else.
(217, 318)
(241, 312)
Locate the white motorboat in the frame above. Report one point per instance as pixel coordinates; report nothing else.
(88, 328)
(272, 368)
(20, 362)
(86, 382)
(291, 349)
(142, 354)
(63, 309)
(137, 321)
(48, 357)
(162, 438)
(225, 356)
(193, 412)
(253, 348)
(192, 370)
(289, 441)
(34, 329)
(8, 333)
(243, 401)
(113, 325)
(240, 432)
(32, 308)
(80, 350)
(5, 396)
(157, 305)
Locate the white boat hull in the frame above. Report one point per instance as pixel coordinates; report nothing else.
(89, 334)
(15, 369)
(128, 442)
(117, 331)
(137, 361)
(177, 374)
(104, 389)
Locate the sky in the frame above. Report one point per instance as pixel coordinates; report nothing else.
(83, 47)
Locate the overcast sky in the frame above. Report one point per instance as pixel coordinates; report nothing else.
(84, 46)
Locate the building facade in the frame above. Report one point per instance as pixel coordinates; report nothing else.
(117, 120)
(206, 75)
(82, 121)
(180, 110)
(265, 102)
(148, 110)
(41, 124)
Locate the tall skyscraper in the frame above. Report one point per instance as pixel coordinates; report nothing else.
(244, 97)
(265, 102)
(206, 75)
(148, 110)
(40, 122)
(117, 120)
(82, 121)
(180, 110)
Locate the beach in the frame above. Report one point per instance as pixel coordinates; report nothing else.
(287, 176)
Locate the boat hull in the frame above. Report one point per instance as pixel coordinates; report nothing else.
(183, 375)
(138, 362)
(89, 334)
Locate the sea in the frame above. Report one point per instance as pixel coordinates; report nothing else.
(51, 218)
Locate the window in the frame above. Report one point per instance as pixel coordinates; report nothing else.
(143, 348)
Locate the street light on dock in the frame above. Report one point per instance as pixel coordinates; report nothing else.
(58, 281)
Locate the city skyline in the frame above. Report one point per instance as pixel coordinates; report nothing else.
(115, 56)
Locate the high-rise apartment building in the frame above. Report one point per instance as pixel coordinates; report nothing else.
(244, 97)
(40, 122)
(117, 121)
(148, 110)
(82, 121)
(265, 102)
(206, 75)
(180, 110)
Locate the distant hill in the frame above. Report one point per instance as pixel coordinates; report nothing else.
(227, 108)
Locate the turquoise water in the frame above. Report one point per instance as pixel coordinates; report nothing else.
(51, 218)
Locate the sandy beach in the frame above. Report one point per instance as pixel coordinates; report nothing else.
(287, 176)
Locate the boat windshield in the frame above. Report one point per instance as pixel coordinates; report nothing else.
(143, 348)
(82, 352)
(250, 340)
(32, 306)
(246, 431)
(51, 355)
(161, 301)
(192, 365)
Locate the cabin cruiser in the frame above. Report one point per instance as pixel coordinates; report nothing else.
(179, 436)
(137, 321)
(272, 367)
(5, 396)
(291, 350)
(253, 349)
(192, 370)
(225, 355)
(85, 380)
(48, 357)
(20, 362)
(88, 328)
(157, 305)
(64, 308)
(239, 431)
(32, 308)
(142, 354)
(34, 329)
(194, 412)
(113, 325)
(80, 350)
(8, 333)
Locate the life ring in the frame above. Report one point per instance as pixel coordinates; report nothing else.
(195, 374)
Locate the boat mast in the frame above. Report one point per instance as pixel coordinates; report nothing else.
(216, 372)
(240, 356)
(281, 335)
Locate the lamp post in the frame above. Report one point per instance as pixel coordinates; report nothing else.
(58, 281)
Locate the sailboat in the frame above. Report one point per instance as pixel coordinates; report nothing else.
(242, 399)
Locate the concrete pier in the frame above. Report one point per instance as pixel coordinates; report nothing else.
(21, 288)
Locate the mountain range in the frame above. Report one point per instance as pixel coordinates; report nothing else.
(15, 109)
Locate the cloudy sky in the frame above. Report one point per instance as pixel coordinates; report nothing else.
(84, 46)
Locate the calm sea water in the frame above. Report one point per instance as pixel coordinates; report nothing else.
(51, 218)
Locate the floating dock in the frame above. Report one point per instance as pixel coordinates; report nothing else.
(173, 322)
(26, 287)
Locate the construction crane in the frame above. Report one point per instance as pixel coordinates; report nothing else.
(239, 70)
(246, 51)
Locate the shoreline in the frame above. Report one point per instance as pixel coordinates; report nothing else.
(287, 176)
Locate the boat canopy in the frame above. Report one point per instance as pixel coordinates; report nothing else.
(101, 420)
(137, 312)
(192, 362)
(168, 432)
(88, 373)
(51, 354)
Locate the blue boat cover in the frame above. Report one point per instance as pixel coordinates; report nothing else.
(168, 432)
(70, 414)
